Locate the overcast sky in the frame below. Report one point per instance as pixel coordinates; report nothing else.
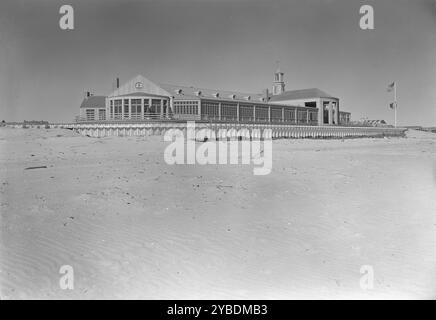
(231, 45)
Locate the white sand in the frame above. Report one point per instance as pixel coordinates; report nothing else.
(132, 226)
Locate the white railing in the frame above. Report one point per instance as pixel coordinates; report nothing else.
(121, 128)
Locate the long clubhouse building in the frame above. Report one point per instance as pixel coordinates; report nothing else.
(141, 99)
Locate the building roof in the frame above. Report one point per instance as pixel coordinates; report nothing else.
(94, 102)
(301, 94)
(185, 92)
(139, 84)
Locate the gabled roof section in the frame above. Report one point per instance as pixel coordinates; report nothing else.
(195, 93)
(139, 84)
(301, 94)
(94, 102)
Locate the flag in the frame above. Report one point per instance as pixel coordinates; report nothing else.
(391, 87)
(392, 105)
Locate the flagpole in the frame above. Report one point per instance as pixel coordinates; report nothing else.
(395, 102)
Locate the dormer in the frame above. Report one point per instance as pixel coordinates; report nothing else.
(232, 96)
(179, 91)
(216, 95)
(198, 93)
(248, 98)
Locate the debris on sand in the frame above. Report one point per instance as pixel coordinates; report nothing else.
(37, 167)
(222, 187)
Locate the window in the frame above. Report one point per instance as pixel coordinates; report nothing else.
(164, 106)
(102, 114)
(229, 111)
(186, 107)
(246, 112)
(276, 114)
(313, 116)
(146, 106)
(302, 116)
(310, 104)
(262, 113)
(136, 108)
(155, 106)
(126, 108)
(117, 109)
(290, 115)
(90, 114)
(209, 110)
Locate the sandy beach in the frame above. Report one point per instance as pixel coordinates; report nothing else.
(135, 227)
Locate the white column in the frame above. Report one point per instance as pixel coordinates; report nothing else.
(130, 107)
(107, 107)
(142, 109)
(122, 109)
(320, 112)
(330, 113)
(161, 108)
(171, 106)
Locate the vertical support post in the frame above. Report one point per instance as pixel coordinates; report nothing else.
(161, 108)
(330, 113)
(149, 103)
(142, 109)
(320, 112)
(107, 108)
(122, 109)
(170, 109)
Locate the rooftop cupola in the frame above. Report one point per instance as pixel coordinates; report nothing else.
(278, 84)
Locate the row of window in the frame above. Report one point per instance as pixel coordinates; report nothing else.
(91, 115)
(229, 111)
(344, 118)
(210, 110)
(186, 107)
(134, 111)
